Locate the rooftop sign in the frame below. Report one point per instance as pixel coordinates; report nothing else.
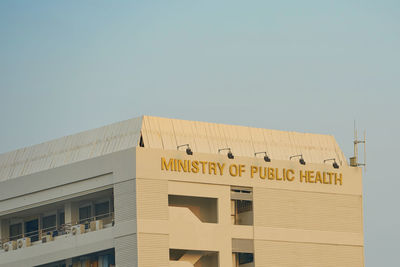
(254, 171)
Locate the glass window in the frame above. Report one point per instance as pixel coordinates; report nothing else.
(32, 229)
(49, 223)
(102, 210)
(61, 218)
(84, 214)
(15, 231)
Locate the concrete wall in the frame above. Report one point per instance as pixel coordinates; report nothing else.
(115, 171)
(296, 223)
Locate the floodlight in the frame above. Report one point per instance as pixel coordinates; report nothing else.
(188, 150)
(301, 160)
(335, 165)
(266, 158)
(229, 154)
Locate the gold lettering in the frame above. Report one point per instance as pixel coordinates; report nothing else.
(303, 176)
(233, 170)
(271, 175)
(212, 167)
(330, 177)
(242, 169)
(221, 168)
(165, 166)
(264, 175)
(239, 170)
(324, 178)
(318, 177)
(338, 179)
(195, 166)
(311, 177)
(253, 170)
(182, 165)
(277, 175)
(290, 179)
(203, 164)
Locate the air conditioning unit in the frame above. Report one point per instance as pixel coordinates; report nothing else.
(96, 225)
(78, 229)
(11, 245)
(23, 242)
(47, 238)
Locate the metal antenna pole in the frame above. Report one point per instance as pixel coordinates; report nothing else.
(365, 152)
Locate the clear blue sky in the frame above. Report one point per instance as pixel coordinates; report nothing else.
(309, 66)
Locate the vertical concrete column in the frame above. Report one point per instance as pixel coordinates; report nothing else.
(224, 212)
(125, 214)
(71, 210)
(4, 230)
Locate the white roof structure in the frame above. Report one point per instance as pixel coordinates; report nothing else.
(167, 134)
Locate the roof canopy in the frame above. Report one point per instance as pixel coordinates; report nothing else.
(163, 133)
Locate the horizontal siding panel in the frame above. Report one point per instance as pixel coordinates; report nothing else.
(307, 210)
(125, 201)
(153, 250)
(152, 199)
(287, 254)
(126, 251)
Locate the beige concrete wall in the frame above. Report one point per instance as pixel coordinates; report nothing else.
(317, 224)
(290, 254)
(153, 250)
(115, 170)
(307, 210)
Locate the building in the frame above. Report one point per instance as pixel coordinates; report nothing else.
(156, 192)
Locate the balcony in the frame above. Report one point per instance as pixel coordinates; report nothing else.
(53, 233)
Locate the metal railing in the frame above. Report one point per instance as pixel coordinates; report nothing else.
(60, 230)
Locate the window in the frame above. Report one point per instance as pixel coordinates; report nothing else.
(84, 214)
(242, 206)
(61, 218)
(243, 259)
(242, 252)
(49, 223)
(32, 229)
(15, 231)
(102, 210)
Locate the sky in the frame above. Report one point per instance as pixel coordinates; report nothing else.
(306, 66)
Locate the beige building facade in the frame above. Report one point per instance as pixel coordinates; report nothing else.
(155, 192)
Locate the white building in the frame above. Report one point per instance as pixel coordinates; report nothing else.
(132, 194)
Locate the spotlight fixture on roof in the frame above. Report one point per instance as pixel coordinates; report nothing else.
(301, 160)
(230, 155)
(188, 150)
(335, 165)
(266, 158)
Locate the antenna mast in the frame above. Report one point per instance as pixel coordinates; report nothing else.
(354, 160)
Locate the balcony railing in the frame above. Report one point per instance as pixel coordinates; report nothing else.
(47, 234)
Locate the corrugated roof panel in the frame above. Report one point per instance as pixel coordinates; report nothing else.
(273, 138)
(300, 144)
(228, 135)
(165, 133)
(243, 138)
(188, 134)
(214, 137)
(69, 149)
(305, 141)
(201, 139)
(181, 133)
(257, 138)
